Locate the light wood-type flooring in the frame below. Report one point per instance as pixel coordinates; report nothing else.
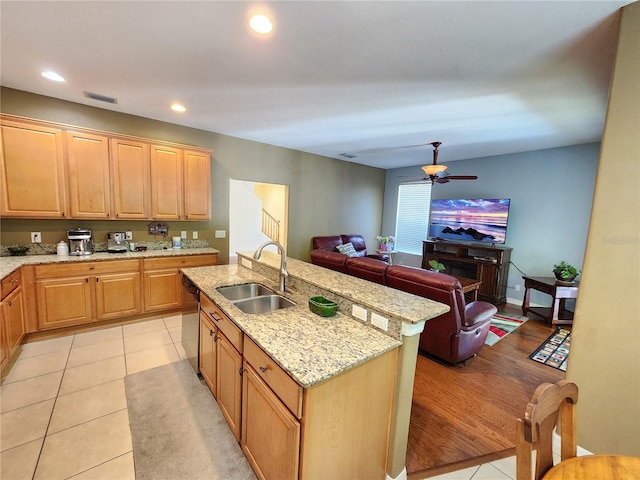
(465, 415)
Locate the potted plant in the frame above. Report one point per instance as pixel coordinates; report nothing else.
(565, 272)
(386, 243)
(436, 266)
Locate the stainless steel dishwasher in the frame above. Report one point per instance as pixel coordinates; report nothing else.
(190, 321)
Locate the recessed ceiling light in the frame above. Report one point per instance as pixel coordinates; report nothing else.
(176, 107)
(260, 24)
(51, 75)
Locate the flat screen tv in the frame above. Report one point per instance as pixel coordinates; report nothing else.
(470, 220)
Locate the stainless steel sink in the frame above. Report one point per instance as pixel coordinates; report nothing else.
(247, 290)
(263, 304)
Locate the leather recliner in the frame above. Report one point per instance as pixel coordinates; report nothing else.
(325, 252)
(457, 335)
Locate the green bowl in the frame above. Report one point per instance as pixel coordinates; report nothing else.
(323, 307)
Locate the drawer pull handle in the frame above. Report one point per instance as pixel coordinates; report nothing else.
(216, 337)
(211, 333)
(264, 369)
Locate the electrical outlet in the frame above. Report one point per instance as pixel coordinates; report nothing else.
(359, 312)
(128, 235)
(246, 263)
(183, 234)
(194, 235)
(36, 237)
(517, 287)
(379, 321)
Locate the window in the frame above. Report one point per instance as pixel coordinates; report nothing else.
(412, 219)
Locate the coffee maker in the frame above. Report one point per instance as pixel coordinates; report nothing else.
(80, 241)
(116, 242)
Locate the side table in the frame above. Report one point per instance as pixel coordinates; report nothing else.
(390, 252)
(559, 291)
(470, 285)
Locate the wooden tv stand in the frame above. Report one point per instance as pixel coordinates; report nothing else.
(485, 263)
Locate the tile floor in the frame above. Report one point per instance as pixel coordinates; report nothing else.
(64, 410)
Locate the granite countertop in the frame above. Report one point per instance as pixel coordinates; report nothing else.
(10, 264)
(308, 347)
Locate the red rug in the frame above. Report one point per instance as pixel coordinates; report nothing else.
(502, 324)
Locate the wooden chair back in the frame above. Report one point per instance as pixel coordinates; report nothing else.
(551, 405)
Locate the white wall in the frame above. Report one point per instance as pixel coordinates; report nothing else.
(551, 194)
(245, 219)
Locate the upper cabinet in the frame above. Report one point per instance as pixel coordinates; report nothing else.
(197, 185)
(89, 176)
(131, 180)
(54, 171)
(32, 170)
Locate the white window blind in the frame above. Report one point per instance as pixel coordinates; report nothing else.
(412, 219)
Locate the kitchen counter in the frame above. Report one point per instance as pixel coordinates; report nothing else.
(308, 347)
(10, 264)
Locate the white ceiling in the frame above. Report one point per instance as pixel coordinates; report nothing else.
(483, 77)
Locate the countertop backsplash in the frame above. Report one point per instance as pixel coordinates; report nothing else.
(50, 248)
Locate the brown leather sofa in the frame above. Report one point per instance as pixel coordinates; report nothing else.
(325, 251)
(455, 336)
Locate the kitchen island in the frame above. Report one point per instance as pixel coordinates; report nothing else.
(354, 377)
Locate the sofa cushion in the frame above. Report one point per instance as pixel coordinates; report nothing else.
(327, 243)
(347, 249)
(332, 260)
(357, 241)
(368, 269)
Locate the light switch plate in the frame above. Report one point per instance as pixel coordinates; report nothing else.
(359, 312)
(183, 234)
(194, 235)
(379, 321)
(221, 233)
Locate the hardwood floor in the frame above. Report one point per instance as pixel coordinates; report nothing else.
(465, 416)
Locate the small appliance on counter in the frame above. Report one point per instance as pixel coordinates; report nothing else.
(80, 241)
(117, 242)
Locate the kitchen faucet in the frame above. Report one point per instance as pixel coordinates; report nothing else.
(283, 260)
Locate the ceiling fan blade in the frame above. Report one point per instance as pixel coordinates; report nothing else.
(462, 177)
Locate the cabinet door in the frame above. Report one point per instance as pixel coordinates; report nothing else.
(208, 354)
(229, 383)
(89, 176)
(197, 185)
(166, 183)
(131, 181)
(117, 295)
(4, 349)
(63, 301)
(32, 171)
(162, 290)
(270, 433)
(15, 319)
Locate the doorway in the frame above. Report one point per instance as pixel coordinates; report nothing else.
(258, 212)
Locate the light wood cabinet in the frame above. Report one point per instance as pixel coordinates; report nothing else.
(32, 171)
(89, 175)
(162, 280)
(221, 344)
(74, 294)
(166, 182)
(131, 179)
(12, 315)
(197, 185)
(270, 433)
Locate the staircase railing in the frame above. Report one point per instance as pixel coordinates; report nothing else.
(270, 226)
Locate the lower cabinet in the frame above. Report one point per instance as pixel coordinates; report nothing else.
(338, 428)
(163, 281)
(74, 294)
(12, 316)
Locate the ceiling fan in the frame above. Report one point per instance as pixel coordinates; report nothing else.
(437, 174)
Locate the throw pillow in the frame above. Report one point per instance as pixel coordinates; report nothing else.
(347, 249)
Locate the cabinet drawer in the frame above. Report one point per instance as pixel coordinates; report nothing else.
(9, 284)
(85, 268)
(278, 380)
(185, 261)
(226, 326)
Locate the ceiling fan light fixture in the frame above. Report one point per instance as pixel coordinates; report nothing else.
(433, 169)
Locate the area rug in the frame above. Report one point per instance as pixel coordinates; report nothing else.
(554, 352)
(502, 324)
(178, 430)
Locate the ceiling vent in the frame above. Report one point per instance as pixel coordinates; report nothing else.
(100, 98)
(347, 155)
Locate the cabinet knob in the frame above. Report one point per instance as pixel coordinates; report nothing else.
(211, 333)
(264, 369)
(9, 303)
